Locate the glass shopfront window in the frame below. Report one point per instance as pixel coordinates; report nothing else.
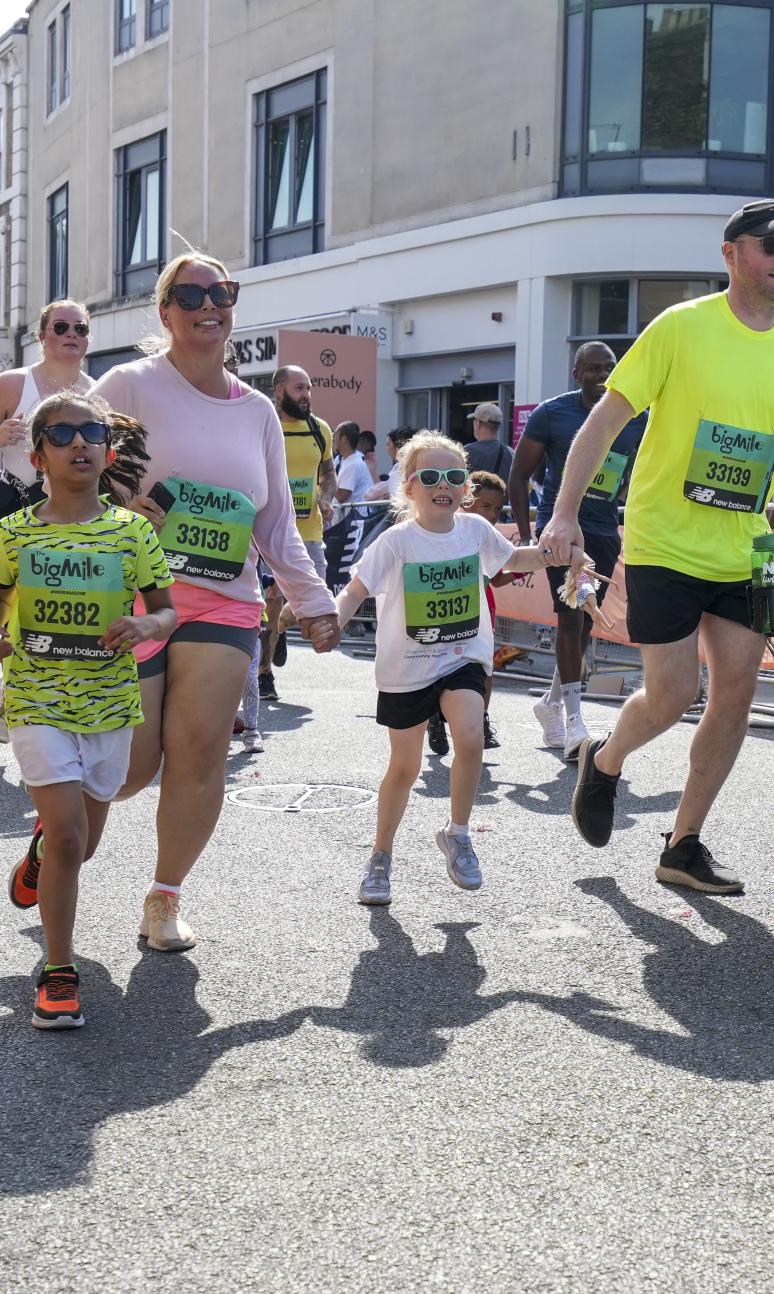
(667, 96)
(617, 310)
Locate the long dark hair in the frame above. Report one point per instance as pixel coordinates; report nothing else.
(121, 480)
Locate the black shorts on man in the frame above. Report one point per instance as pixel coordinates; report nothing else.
(665, 606)
(604, 551)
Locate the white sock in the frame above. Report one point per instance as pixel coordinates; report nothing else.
(554, 693)
(457, 828)
(571, 695)
(164, 888)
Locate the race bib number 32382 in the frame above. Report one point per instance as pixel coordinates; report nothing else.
(442, 599)
(67, 599)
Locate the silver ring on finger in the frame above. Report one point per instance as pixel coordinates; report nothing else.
(548, 552)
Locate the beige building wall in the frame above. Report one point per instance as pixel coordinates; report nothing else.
(435, 111)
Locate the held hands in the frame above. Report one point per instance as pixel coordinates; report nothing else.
(13, 431)
(323, 632)
(558, 539)
(127, 631)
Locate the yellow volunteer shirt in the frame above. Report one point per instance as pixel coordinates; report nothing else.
(708, 448)
(302, 454)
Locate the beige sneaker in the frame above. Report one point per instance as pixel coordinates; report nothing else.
(162, 926)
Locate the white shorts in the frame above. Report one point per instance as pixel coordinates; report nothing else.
(98, 760)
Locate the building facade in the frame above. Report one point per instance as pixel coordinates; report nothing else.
(13, 191)
(481, 187)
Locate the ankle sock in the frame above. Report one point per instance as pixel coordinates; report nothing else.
(571, 695)
(554, 694)
(457, 828)
(162, 887)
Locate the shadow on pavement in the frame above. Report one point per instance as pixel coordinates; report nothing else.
(554, 798)
(280, 716)
(399, 1000)
(720, 995)
(137, 1050)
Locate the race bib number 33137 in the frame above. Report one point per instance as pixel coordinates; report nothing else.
(67, 599)
(442, 599)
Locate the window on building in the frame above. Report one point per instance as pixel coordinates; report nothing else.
(140, 179)
(51, 68)
(289, 124)
(616, 310)
(66, 58)
(156, 17)
(57, 244)
(667, 96)
(126, 25)
(4, 179)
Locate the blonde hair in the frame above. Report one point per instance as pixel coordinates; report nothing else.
(152, 343)
(45, 313)
(121, 479)
(424, 441)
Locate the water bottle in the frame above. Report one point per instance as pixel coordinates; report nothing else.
(762, 594)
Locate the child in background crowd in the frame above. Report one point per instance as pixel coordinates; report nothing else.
(432, 644)
(70, 567)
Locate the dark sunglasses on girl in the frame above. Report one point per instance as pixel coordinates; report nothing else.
(61, 434)
(431, 476)
(190, 296)
(61, 326)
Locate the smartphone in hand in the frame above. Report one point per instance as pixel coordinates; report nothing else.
(162, 496)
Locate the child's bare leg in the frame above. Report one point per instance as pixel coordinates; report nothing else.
(62, 813)
(402, 772)
(96, 816)
(464, 713)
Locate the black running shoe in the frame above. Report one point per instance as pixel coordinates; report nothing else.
(490, 734)
(690, 863)
(280, 651)
(593, 803)
(266, 689)
(436, 735)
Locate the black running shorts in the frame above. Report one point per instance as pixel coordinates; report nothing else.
(665, 606)
(407, 709)
(603, 551)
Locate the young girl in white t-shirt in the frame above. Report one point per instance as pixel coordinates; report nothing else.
(434, 642)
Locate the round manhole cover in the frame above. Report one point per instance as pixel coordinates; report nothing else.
(302, 797)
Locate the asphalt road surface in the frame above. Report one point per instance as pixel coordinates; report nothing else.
(562, 1083)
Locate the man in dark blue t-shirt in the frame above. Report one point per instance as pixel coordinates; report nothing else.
(549, 433)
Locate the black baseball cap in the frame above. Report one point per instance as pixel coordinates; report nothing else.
(756, 218)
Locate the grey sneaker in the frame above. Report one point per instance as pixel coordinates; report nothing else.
(375, 885)
(461, 862)
(252, 741)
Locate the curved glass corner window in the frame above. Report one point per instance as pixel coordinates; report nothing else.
(671, 82)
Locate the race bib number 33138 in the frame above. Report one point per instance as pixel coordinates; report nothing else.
(67, 599)
(207, 530)
(442, 599)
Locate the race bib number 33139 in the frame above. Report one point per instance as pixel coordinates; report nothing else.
(730, 467)
(442, 599)
(67, 599)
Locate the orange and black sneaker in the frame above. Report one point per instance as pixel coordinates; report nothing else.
(23, 881)
(57, 1001)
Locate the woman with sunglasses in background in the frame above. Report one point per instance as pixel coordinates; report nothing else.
(216, 490)
(63, 332)
(433, 644)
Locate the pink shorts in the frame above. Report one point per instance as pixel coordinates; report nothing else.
(205, 616)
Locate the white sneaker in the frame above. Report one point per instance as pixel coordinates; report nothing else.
(550, 716)
(161, 924)
(577, 733)
(252, 741)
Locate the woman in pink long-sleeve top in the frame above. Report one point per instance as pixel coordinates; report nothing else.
(218, 460)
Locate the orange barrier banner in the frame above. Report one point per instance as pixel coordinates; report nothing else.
(529, 599)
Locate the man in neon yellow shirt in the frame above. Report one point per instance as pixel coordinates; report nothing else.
(697, 500)
(309, 457)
